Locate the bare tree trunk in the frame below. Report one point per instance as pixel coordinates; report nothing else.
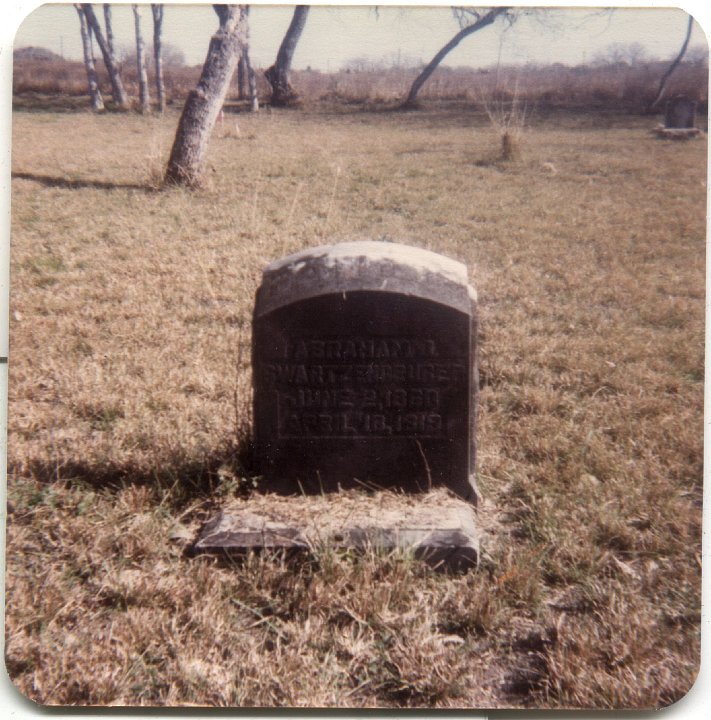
(241, 79)
(672, 67)
(91, 44)
(252, 82)
(109, 30)
(278, 74)
(143, 94)
(158, 54)
(484, 20)
(97, 102)
(203, 104)
(247, 66)
(117, 91)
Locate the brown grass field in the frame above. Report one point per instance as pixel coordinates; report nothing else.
(129, 413)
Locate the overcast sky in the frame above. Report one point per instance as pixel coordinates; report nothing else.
(336, 34)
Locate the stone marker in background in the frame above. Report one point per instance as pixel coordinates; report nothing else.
(679, 120)
(364, 362)
(680, 113)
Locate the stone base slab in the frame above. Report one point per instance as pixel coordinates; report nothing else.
(438, 527)
(677, 133)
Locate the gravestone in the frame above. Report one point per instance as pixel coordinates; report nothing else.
(365, 375)
(680, 113)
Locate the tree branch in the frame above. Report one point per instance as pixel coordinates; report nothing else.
(421, 79)
(672, 67)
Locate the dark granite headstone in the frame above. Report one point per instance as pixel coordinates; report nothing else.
(680, 113)
(364, 358)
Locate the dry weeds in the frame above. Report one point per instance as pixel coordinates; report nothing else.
(612, 85)
(129, 415)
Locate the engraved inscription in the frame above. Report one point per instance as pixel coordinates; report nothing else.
(363, 387)
(359, 348)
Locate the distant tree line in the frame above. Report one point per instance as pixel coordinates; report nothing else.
(229, 52)
(603, 84)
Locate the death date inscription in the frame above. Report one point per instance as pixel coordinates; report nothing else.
(364, 387)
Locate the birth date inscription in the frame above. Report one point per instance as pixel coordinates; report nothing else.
(363, 387)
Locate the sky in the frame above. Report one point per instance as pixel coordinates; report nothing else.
(336, 34)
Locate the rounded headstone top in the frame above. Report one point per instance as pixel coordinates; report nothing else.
(365, 265)
(374, 251)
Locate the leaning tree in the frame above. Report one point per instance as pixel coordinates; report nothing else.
(109, 23)
(97, 102)
(471, 20)
(105, 45)
(203, 105)
(673, 66)
(278, 74)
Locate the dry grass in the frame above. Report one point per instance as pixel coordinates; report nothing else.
(129, 415)
(507, 115)
(68, 78)
(556, 86)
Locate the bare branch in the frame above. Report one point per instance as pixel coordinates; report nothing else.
(482, 21)
(673, 66)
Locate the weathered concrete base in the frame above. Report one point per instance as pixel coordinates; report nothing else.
(677, 133)
(438, 527)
